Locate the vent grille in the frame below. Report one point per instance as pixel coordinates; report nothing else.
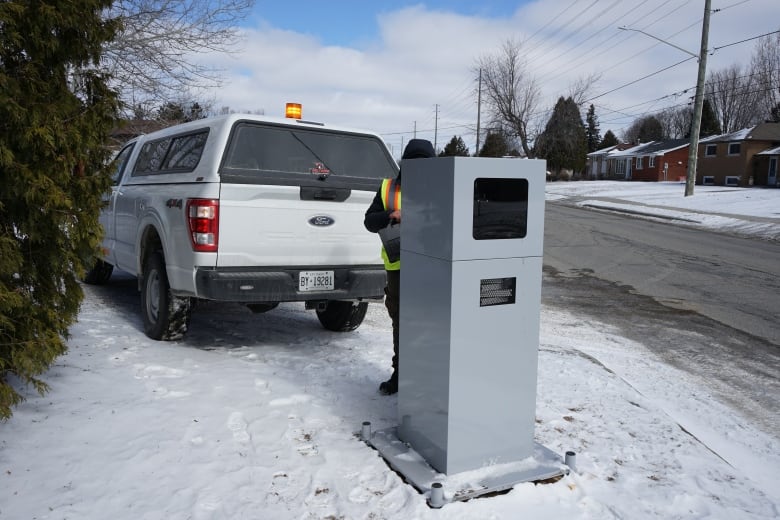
(497, 291)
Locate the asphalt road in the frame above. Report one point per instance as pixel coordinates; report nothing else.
(705, 302)
(735, 281)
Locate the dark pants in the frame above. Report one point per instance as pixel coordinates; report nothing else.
(392, 299)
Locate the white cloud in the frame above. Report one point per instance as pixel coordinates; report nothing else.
(422, 57)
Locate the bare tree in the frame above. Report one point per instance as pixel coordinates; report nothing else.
(153, 58)
(511, 92)
(582, 88)
(734, 96)
(765, 67)
(676, 121)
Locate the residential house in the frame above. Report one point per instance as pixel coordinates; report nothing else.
(622, 161)
(654, 161)
(596, 166)
(661, 161)
(742, 158)
(766, 167)
(600, 166)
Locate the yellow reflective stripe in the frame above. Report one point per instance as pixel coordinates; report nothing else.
(391, 194)
(389, 185)
(390, 266)
(385, 192)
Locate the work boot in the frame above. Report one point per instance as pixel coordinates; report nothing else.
(390, 386)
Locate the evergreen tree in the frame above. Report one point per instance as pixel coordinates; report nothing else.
(563, 142)
(196, 112)
(496, 145)
(455, 148)
(609, 140)
(177, 112)
(592, 130)
(55, 114)
(774, 114)
(171, 112)
(644, 130)
(709, 121)
(651, 129)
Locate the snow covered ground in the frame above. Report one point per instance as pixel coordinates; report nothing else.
(749, 212)
(256, 416)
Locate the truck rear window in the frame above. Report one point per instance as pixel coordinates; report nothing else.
(285, 155)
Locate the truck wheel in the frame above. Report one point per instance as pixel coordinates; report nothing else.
(166, 317)
(340, 316)
(99, 273)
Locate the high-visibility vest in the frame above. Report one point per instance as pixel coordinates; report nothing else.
(391, 200)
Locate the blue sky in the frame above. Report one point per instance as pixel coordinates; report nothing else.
(406, 69)
(354, 22)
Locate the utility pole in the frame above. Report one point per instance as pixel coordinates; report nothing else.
(693, 147)
(436, 128)
(415, 129)
(479, 108)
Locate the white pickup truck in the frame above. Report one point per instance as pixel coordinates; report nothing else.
(250, 209)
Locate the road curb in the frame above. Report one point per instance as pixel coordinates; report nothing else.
(639, 213)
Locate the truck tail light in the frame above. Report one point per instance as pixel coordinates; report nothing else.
(203, 223)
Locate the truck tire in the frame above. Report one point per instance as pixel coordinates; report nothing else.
(166, 317)
(100, 273)
(341, 316)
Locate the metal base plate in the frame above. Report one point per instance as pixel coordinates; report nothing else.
(542, 465)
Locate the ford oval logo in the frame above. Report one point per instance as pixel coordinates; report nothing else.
(321, 220)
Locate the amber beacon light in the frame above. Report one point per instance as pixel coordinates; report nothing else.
(293, 110)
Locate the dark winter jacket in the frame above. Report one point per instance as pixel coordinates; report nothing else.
(377, 217)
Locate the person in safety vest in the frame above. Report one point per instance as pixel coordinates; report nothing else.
(384, 217)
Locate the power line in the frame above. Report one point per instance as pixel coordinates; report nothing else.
(638, 80)
(534, 48)
(460, 95)
(687, 59)
(589, 51)
(424, 130)
(743, 41)
(584, 24)
(730, 6)
(640, 17)
(540, 29)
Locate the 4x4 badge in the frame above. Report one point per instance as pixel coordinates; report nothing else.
(321, 220)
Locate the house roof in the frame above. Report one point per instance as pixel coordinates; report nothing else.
(739, 135)
(766, 131)
(771, 151)
(603, 151)
(652, 148)
(661, 147)
(629, 152)
(760, 132)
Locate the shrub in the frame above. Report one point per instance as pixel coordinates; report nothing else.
(55, 113)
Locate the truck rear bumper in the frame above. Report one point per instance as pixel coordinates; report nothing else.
(251, 284)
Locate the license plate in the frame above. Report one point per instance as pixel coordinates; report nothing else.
(315, 281)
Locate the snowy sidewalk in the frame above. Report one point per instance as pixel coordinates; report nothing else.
(256, 416)
(748, 212)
